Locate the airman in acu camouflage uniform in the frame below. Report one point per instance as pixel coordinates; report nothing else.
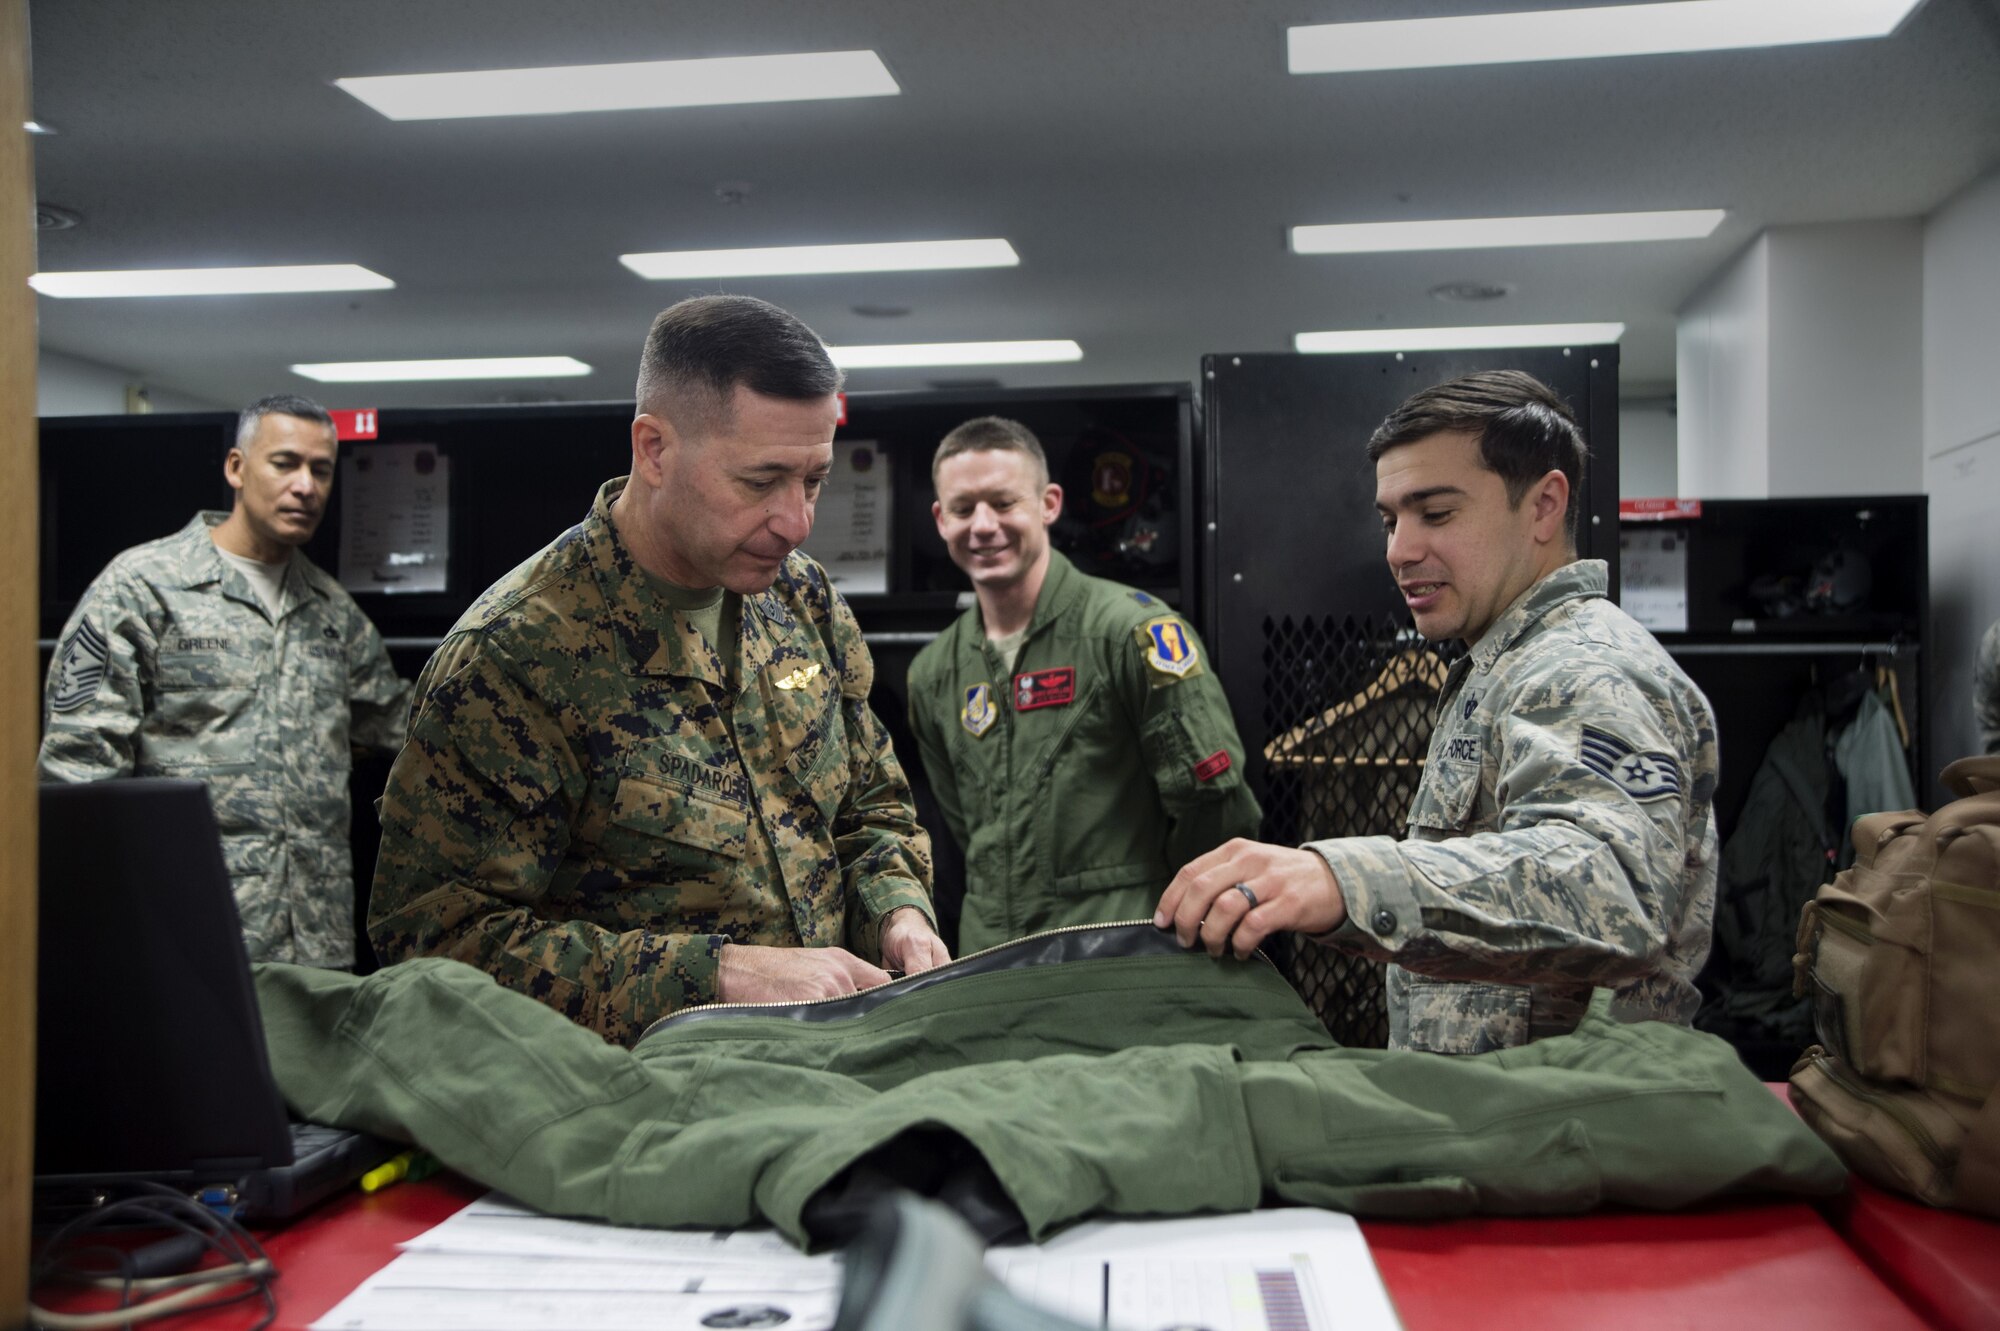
(621, 805)
(172, 665)
(1563, 834)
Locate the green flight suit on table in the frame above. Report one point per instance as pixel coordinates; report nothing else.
(172, 665)
(1079, 782)
(589, 809)
(1134, 1079)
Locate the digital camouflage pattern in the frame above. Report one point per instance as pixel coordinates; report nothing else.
(1079, 782)
(588, 810)
(1986, 689)
(170, 666)
(1562, 838)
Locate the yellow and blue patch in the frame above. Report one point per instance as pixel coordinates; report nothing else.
(1169, 646)
(979, 713)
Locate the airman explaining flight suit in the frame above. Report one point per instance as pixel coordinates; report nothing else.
(177, 663)
(1084, 756)
(643, 772)
(1563, 835)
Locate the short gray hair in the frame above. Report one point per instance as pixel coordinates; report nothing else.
(278, 404)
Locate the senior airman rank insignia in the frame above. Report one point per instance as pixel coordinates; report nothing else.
(1169, 648)
(979, 713)
(801, 677)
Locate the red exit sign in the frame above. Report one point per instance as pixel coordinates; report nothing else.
(357, 424)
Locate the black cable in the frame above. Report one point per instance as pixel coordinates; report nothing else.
(195, 1231)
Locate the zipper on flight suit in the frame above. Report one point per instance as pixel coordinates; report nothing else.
(956, 962)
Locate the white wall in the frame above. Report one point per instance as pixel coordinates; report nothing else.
(1961, 469)
(1723, 373)
(1648, 456)
(1801, 366)
(1847, 358)
(71, 386)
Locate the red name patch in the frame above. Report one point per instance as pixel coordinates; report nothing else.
(1212, 766)
(1044, 688)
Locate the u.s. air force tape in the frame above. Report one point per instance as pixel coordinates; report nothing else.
(1643, 776)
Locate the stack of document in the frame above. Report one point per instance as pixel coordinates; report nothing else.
(497, 1266)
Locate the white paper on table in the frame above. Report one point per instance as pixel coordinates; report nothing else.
(1295, 1269)
(496, 1225)
(498, 1266)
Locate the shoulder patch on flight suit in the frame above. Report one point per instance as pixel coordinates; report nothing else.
(1044, 688)
(979, 713)
(80, 665)
(1643, 776)
(1169, 648)
(1145, 598)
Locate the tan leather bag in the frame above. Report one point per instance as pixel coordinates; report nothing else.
(1901, 957)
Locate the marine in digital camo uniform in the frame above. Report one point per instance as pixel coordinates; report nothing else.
(174, 665)
(623, 801)
(1563, 836)
(1078, 745)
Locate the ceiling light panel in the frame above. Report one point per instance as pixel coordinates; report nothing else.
(1472, 233)
(406, 371)
(565, 89)
(899, 256)
(1582, 34)
(954, 353)
(1455, 339)
(210, 281)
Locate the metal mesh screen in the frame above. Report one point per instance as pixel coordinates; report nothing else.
(1347, 702)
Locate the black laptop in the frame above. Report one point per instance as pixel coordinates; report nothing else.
(150, 1063)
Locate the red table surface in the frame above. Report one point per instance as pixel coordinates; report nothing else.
(1759, 1267)
(1945, 1264)
(1756, 1266)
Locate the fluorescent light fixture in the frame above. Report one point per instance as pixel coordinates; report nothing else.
(404, 371)
(210, 281)
(562, 89)
(37, 127)
(1582, 34)
(954, 353)
(898, 256)
(1478, 233)
(1454, 339)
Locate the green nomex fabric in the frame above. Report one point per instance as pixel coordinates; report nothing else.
(1121, 1085)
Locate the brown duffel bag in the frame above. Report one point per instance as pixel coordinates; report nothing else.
(1901, 956)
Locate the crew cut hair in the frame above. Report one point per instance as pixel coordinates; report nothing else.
(700, 349)
(991, 434)
(1525, 431)
(277, 404)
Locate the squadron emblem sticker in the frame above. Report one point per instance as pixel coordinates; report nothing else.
(979, 713)
(1169, 649)
(80, 666)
